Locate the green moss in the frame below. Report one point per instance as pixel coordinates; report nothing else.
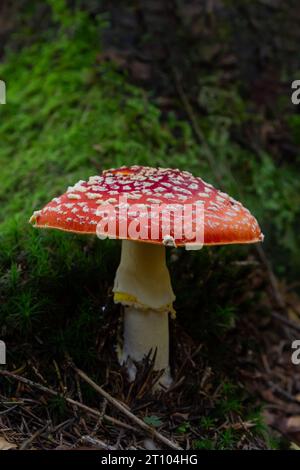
(204, 444)
(68, 116)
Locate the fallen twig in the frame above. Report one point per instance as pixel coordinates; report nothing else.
(83, 407)
(196, 128)
(272, 278)
(125, 410)
(286, 321)
(97, 443)
(32, 438)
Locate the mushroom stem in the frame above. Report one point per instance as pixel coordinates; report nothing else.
(143, 286)
(145, 331)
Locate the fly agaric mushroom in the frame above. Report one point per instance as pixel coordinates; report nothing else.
(142, 283)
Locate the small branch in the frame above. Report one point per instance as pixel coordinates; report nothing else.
(123, 408)
(97, 443)
(32, 438)
(195, 126)
(286, 321)
(83, 407)
(272, 278)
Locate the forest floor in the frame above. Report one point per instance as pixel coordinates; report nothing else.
(154, 85)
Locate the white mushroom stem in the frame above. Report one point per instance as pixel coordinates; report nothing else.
(145, 331)
(143, 286)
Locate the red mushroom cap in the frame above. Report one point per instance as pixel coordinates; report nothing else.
(226, 221)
